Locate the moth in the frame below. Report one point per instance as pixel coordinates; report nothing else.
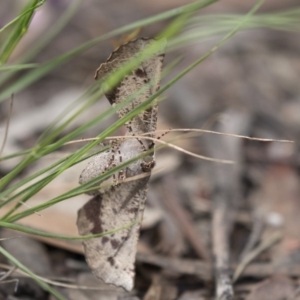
(112, 256)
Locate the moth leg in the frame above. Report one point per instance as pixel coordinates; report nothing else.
(121, 174)
(165, 133)
(113, 146)
(159, 137)
(149, 162)
(115, 180)
(111, 162)
(162, 135)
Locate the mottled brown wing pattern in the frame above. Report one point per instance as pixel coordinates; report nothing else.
(112, 256)
(117, 250)
(149, 72)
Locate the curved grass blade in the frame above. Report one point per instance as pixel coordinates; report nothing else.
(140, 108)
(32, 231)
(44, 40)
(110, 82)
(20, 30)
(17, 67)
(44, 285)
(54, 63)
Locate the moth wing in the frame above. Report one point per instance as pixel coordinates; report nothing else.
(112, 257)
(135, 83)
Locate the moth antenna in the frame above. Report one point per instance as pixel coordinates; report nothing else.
(165, 133)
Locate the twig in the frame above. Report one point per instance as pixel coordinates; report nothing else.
(16, 281)
(203, 270)
(163, 143)
(221, 227)
(181, 266)
(155, 290)
(53, 282)
(193, 267)
(171, 201)
(227, 195)
(8, 273)
(257, 228)
(273, 239)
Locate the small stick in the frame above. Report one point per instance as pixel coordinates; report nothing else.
(203, 270)
(257, 229)
(273, 239)
(226, 198)
(172, 202)
(8, 273)
(221, 227)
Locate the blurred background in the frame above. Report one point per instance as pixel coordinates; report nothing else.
(250, 86)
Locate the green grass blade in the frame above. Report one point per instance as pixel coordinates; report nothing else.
(138, 109)
(43, 284)
(20, 30)
(44, 40)
(5, 194)
(17, 67)
(54, 63)
(32, 231)
(30, 10)
(72, 193)
(110, 82)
